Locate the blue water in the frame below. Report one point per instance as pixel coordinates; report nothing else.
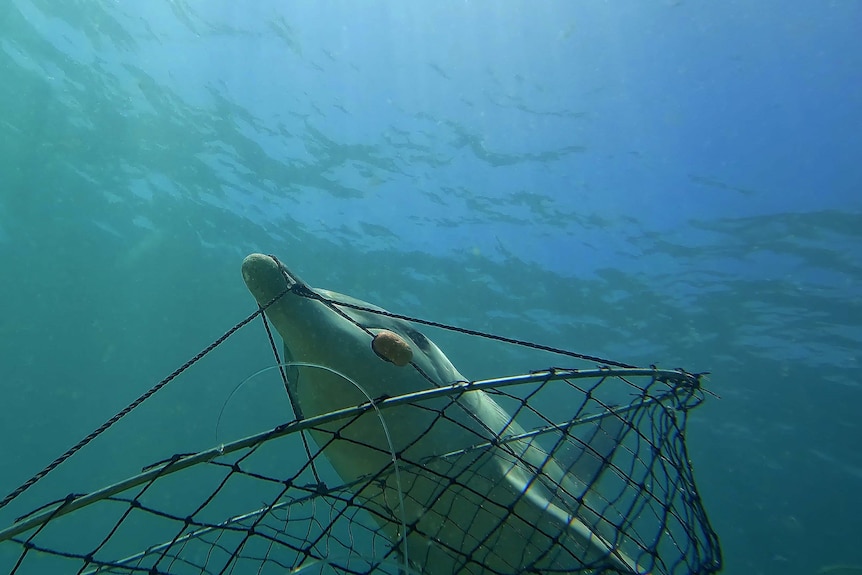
(664, 182)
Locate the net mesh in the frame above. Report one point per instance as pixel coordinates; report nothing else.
(588, 474)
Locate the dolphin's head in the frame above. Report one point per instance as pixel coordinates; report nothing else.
(297, 318)
(317, 330)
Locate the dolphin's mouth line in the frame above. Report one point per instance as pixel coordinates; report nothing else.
(290, 278)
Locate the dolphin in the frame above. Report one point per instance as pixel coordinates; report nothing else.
(509, 507)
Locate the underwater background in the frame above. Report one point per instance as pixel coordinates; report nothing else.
(675, 183)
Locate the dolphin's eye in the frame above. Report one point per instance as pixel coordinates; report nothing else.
(418, 338)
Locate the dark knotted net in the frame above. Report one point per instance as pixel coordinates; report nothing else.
(594, 479)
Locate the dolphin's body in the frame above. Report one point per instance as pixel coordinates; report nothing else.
(504, 509)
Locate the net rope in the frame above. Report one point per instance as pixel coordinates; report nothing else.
(597, 479)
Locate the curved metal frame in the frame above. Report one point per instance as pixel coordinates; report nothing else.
(686, 381)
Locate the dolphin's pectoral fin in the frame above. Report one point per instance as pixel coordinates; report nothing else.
(580, 477)
(292, 374)
(582, 459)
(550, 515)
(559, 492)
(600, 448)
